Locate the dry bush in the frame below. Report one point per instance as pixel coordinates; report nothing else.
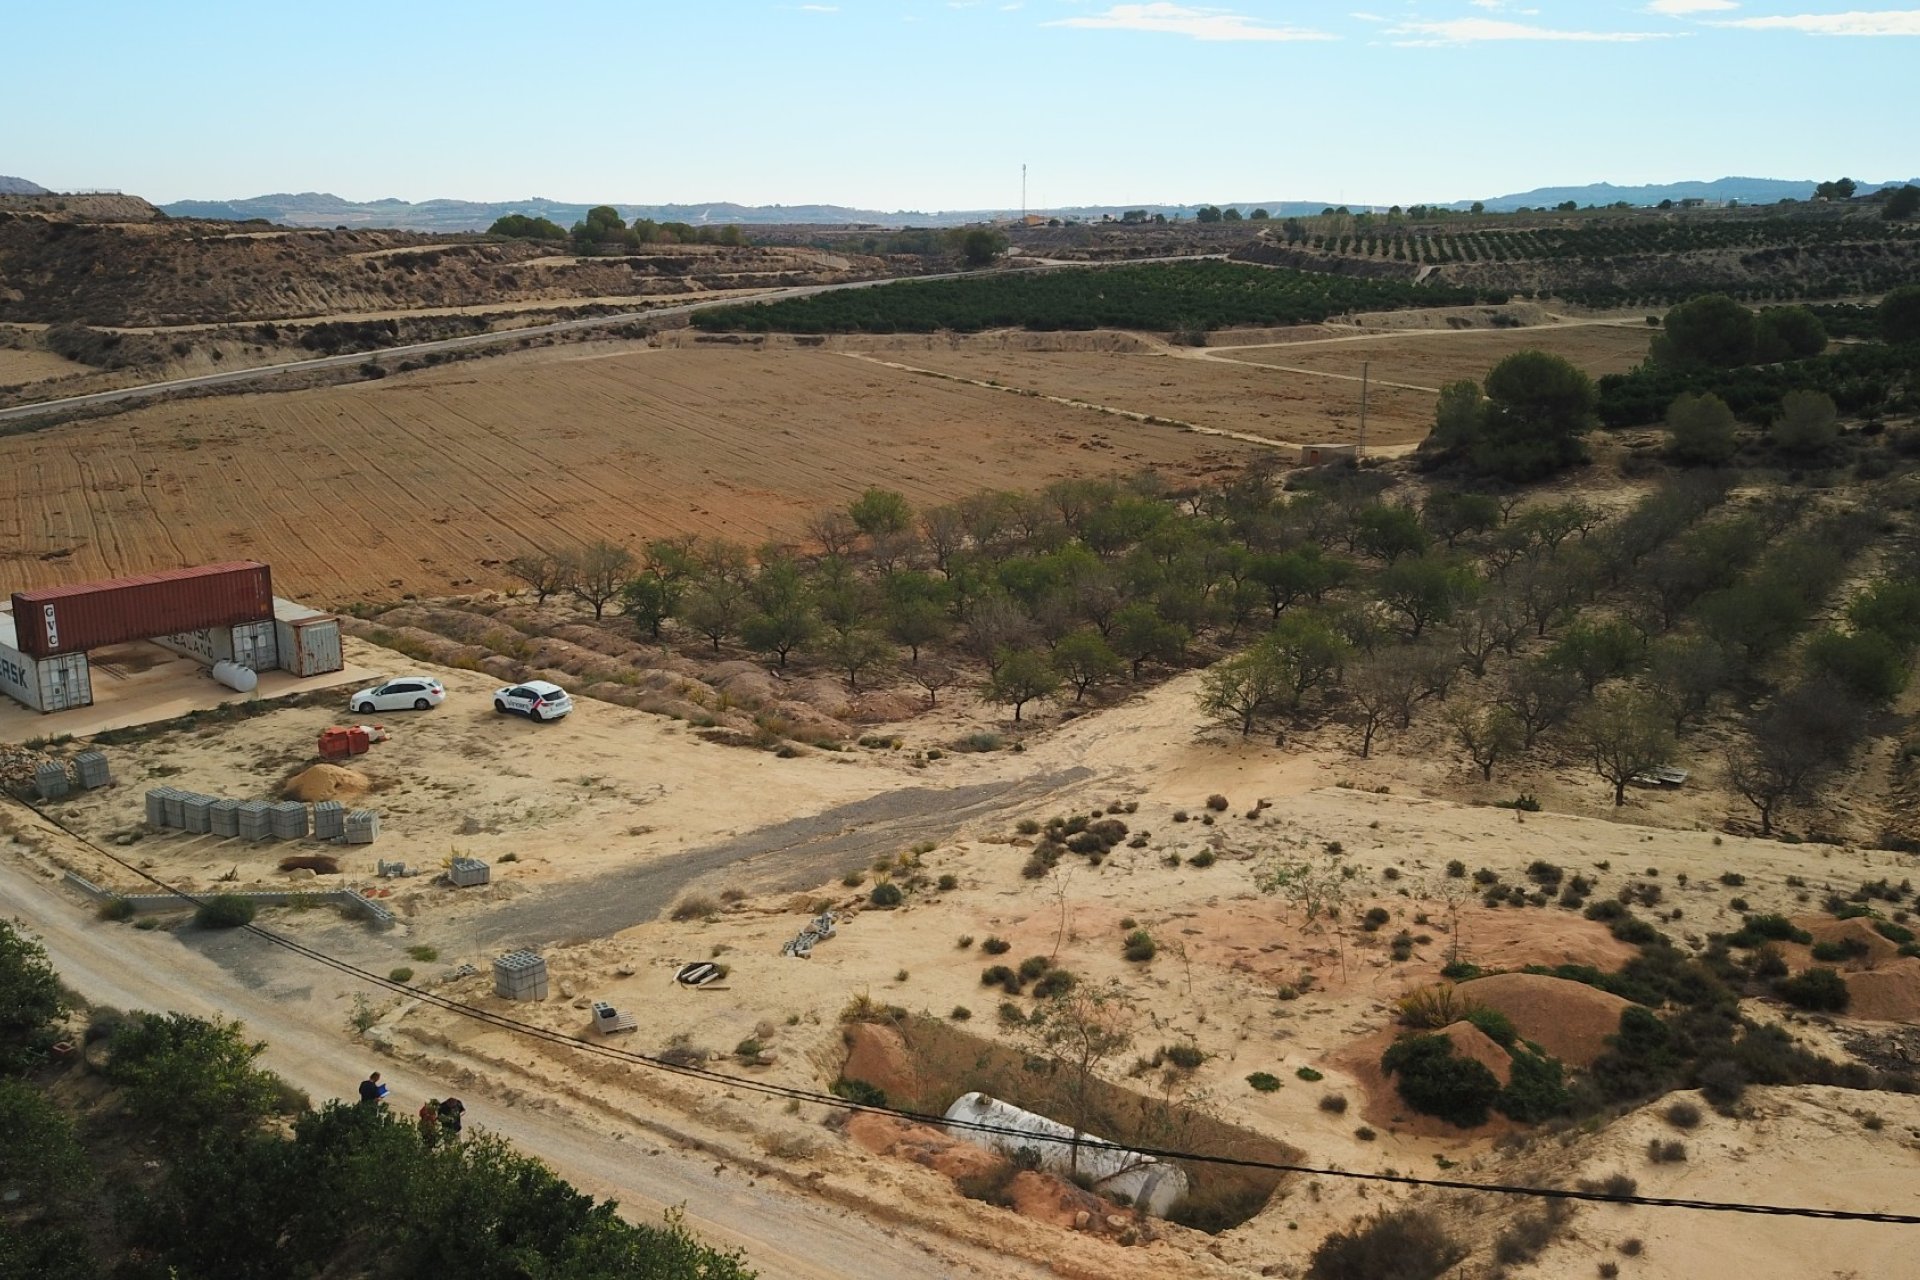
(695, 906)
(1406, 1245)
(1430, 1008)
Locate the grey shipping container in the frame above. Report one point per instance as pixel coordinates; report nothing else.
(307, 640)
(45, 684)
(252, 645)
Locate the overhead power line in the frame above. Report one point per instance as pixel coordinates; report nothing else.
(794, 1093)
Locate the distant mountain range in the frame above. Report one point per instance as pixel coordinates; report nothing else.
(1745, 190)
(319, 209)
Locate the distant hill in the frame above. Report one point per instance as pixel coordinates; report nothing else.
(1745, 190)
(319, 209)
(20, 187)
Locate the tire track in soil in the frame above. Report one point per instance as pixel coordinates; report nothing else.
(788, 857)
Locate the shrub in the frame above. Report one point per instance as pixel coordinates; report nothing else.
(1186, 1055)
(1822, 990)
(1027, 827)
(1485, 876)
(1033, 966)
(1456, 869)
(1732, 879)
(1264, 1082)
(1375, 917)
(1497, 1026)
(1669, 1151)
(1139, 946)
(1000, 975)
(1407, 1244)
(1010, 1014)
(960, 1013)
(1217, 803)
(115, 908)
(1682, 1114)
(1333, 1103)
(996, 946)
(1536, 1090)
(1838, 952)
(401, 975)
(1755, 930)
(858, 1092)
(1433, 1080)
(1308, 1074)
(1056, 982)
(886, 894)
(225, 911)
(424, 954)
(1433, 1007)
(1202, 859)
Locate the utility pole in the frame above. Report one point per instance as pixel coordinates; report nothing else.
(1360, 446)
(1023, 194)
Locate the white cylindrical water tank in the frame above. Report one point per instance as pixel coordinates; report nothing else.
(1151, 1184)
(236, 677)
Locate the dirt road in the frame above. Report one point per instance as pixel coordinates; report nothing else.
(293, 1005)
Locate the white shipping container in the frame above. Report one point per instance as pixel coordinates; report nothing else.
(308, 640)
(45, 684)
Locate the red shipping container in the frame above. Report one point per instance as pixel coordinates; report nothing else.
(91, 615)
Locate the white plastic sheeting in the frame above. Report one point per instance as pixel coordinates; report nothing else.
(1149, 1183)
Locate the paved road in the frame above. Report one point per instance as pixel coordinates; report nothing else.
(505, 336)
(799, 854)
(294, 1007)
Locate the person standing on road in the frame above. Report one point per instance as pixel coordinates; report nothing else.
(372, 1091)
(430, 1122)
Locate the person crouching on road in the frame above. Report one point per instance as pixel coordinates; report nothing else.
(451, 1112)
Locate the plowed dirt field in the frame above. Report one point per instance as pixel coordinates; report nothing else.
(426, 481)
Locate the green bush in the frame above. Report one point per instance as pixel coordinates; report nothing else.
(1497, 1026)
(1000, 975)
(1139, 946)
(886, 894)
(225, 911)
(1407, 1244)
(116, 909)
(401, 975)
(1435, 1081)
(1537, 1089)
(190, 1078)
(1033, 966)
(1264, 1082)
(1055, 982)
(996, 946)
(1755, 930)
(1821, 990)
(1308, 1074)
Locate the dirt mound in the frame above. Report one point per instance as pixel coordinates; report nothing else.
(1858, 930)
(923, 1144)
(326, 782)
(1890, 993)
(1570, 1020)
(879, 1056)
(1470, 1041)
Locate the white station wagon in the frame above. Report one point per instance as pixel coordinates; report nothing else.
(403, 693)
(538, 699)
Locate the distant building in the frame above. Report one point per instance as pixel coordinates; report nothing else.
(1313, 455)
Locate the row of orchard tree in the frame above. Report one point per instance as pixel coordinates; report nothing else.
(1524, 625)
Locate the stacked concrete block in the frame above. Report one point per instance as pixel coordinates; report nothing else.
(176, 801)
(223, 818)
(93, 769)
(157, 806)
(329, 820)
(50, 779)
(361, 826)
(520, 975)
(288, 820)
(256, 822)
(465, 872)
(196, 814)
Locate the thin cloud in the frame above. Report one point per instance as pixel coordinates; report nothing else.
(1885, 22)
(1684, 8)
(1478, 30)
(819, 8)
(1178, 20)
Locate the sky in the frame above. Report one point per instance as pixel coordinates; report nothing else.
(936, 104)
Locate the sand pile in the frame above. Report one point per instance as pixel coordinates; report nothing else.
(923, 1144)
(879, 1056)
(1889, 993)
(326, 782)
(1470, 1041)
(1570, 1020)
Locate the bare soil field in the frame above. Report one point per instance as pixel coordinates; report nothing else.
(1435, 359)
(35, 366)
(1207, 393)
(426, 481)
